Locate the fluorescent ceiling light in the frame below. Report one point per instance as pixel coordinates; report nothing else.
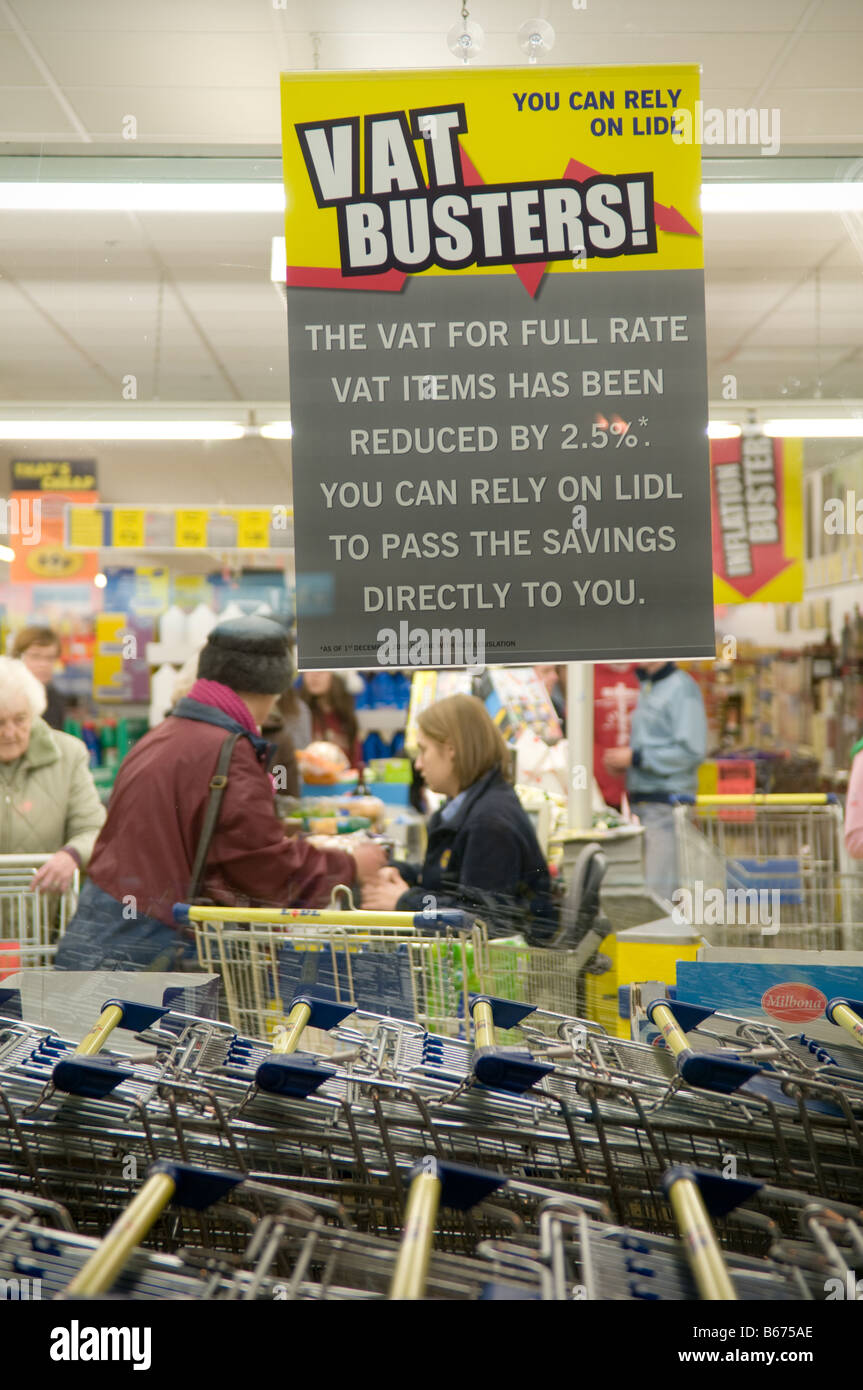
(120, 429)
(840, 196)
(814, 429)
(721, 429)
(142, 197)
(278, 429)
(6, 553)
(278, 261)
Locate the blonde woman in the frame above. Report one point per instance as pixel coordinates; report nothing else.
(483, 854)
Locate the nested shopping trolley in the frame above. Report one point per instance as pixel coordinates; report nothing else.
(552, 1118)
(768, 871)
(31, 922)
(301, 1250)
(417, 966)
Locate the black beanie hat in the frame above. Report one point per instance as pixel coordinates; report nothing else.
(250, 654)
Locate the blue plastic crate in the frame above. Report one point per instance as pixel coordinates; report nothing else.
(781, 873)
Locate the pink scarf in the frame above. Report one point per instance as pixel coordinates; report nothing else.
(222, 697)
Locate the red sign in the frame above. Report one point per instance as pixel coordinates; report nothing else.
(756, 497)
(793, 1002)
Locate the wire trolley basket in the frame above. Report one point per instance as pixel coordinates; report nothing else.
(768, 870)
(31, 922)
(417, 969)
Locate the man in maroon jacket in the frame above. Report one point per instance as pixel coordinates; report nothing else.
(143, 860)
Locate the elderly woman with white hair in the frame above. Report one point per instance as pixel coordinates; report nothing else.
(48, 800)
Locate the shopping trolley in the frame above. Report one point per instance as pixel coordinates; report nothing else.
(77, 1127)
(348, 1127)
(767, 871)
(293, 1254)
(417, 966)
(30, 922)
(40, 1252)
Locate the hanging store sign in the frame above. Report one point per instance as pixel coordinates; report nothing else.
(498, 371)
(757, 488)
(41, 488)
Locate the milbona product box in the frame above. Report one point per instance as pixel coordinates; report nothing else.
(788, 989)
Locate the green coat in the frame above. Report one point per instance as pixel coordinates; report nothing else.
(50, 801)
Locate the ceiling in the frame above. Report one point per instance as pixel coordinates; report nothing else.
(184, 302)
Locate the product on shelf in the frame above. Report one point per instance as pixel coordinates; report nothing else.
(516, 699)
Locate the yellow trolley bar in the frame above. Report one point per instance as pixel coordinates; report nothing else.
(702, 1248)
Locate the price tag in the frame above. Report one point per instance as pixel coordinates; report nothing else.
(129, 528)
(253, 530)
(85, 527)
(190, 529)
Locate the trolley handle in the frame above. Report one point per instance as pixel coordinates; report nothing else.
(309, 1010)
(757, 799)
(502, 1068)
(118, 1013)
(447, 919)
(709, 1071)
(434, 1184)
(847, 1014)
(166, 1182)
(691, 1191)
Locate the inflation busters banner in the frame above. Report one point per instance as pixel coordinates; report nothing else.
(497, 360)
(757, 486)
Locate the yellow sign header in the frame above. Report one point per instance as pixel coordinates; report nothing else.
(442, 172)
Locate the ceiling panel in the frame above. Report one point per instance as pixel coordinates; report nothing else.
(822, 60)
(177, 115)
(95, 17)
(840, 14)
(132, 60)
(819, 117)
(32, 113)
(16, 69)
(671, 17)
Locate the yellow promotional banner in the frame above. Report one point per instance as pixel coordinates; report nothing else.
(253, 529)
(108, 671)
(498, 365)
(85, 527)
(757, 486)
(129, 527)
(373, 162)
(190, 528)
(152, 589)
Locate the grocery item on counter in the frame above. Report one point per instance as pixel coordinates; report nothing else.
(330, 825)
(323, 764)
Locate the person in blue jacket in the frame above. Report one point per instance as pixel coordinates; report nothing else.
(667, 742)
(483, 855)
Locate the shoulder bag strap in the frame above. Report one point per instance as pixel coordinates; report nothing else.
(218, 783)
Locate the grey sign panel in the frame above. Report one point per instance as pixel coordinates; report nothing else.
(468, 458)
